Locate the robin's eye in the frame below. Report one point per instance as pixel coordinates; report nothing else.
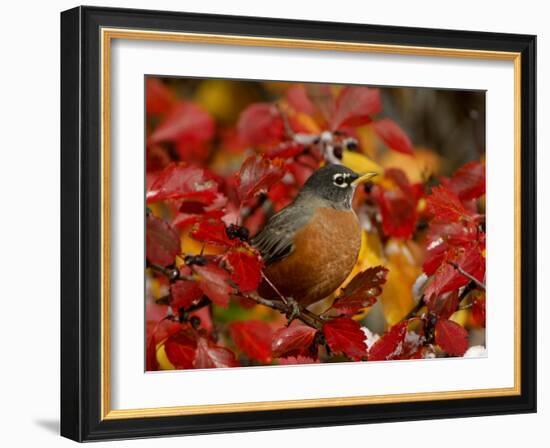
(339, 181)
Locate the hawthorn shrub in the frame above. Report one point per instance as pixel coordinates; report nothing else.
(212, 183)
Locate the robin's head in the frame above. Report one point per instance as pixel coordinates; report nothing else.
(335, 183)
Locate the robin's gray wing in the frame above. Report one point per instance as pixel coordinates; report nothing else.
(275, 241)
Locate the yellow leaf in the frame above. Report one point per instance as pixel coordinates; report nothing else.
(460, 317)
(404, 267)
(224, 99)
(418, 168)
(162, 358)
(367, 140)
(360, 163)
(307, 122)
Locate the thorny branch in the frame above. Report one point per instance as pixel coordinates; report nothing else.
(284, 307)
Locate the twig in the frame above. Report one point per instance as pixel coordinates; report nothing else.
(283, 305)
(415, 309)
(172, 274)
(306, 316)
(283, 298)
(467, 275)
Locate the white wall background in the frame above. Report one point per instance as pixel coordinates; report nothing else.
(29, 229)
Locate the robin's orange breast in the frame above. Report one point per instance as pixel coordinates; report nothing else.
(325, 252)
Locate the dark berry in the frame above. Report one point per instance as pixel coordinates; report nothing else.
(195, 259)
(352, 144)
(195, 322)
(173, 274)
(234, 231)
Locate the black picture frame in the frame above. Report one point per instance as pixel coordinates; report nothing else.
(81, 224)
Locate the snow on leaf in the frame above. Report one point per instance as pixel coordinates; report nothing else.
(294, 339)
(403, 341)
(257, 175)
(213, 281)
(162, 242)
(253, 338)
(344, 335)
(185, 120)
(210, 356)
(355, 106)
(389, 344)
(181, 181)
(362, 291)
(260, 123)
(393, 136)
(246, 269)
(451, 337)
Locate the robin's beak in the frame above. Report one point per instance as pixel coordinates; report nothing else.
(364, 178)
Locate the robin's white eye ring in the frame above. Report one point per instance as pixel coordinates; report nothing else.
(339, 180)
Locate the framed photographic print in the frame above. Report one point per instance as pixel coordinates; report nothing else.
(277, 224)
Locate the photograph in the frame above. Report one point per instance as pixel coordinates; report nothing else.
(303, 223)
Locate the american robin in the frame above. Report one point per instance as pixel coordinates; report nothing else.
(311, 246)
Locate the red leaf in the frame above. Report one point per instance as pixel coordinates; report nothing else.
(321, 96)
(451, 337)
(188, 217)
(257, 175)
(162, 242)
(454, 233)
(158, 97)
(292, 360)
(261, 123)
(298, 98)
(213, 281)
(246, 269)
(210, 356)
(253, 338)
(448, 278)
(151, 362)
(180, 349)
(403, 341)
(442, 306)
(344, 335)
(294, 339)
(478, 311)
(445, 206)
(393, 136)
(386, 347)
(212, 231)
(468, 182)
(184, 294)
(435, 255)
(185, 120)
(285, 150)
(362, 291)
(397, 205)
(181, 181)
(355, 106)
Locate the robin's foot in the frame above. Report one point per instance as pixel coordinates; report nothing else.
(293, 310)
